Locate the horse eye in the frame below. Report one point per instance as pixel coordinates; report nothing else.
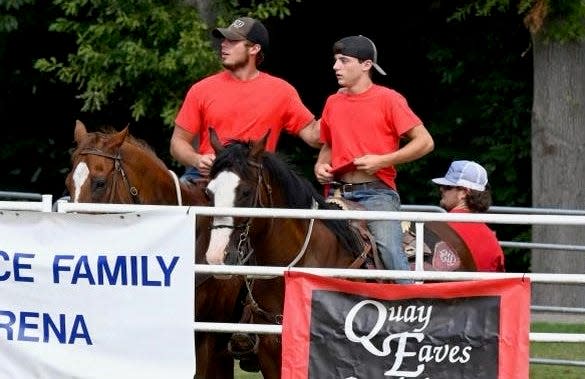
(98, 184)
(245, 195)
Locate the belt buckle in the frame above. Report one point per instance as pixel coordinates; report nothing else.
(346, 187)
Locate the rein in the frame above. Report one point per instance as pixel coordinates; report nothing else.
(133, 191)
(245, 249)
(177, 187)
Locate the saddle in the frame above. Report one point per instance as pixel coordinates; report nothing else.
(443, 248)
(368, 256)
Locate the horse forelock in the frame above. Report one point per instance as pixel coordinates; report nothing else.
(233, 158)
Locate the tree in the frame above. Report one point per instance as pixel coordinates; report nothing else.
(557, 29)
(558, 132)
(143, 53)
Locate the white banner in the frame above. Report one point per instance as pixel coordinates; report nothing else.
(96, 296)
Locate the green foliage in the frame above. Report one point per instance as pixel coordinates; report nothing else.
(140, 55)
(565, 19)
(143, 54)
(8, 20)
(481, 107)
(261, 10)
(483, 112)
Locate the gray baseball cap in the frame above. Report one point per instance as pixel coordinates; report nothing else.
(244, 28)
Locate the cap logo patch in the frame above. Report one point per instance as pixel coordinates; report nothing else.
(238, 24)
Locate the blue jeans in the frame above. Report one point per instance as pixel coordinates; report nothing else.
(191, 173)
(388, 234)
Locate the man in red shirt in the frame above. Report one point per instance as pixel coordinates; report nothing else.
(361, 129)
(240, 102)
(465, 189)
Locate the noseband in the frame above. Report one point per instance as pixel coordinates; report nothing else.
(133, 191)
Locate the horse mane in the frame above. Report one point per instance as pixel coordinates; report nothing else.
(105, 132)
(298, 191)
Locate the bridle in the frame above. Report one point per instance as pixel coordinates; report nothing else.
(133, 191)
(244, 250)
(244, 247)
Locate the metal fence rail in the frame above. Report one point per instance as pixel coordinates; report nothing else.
(416, 213)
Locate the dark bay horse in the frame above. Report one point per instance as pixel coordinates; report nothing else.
(114, 167)
(245, 175)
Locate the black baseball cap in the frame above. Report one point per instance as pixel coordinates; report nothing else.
(359, 47)
(244, 28)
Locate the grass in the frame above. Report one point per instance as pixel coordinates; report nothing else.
(555, 350)
(239, 374)
(550, 350)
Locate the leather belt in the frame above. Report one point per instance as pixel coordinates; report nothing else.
(350, 187)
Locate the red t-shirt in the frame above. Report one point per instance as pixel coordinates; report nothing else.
(367, 123)
(242, 109)
(481, 242)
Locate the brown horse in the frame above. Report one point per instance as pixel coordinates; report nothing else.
(114, 167)
(245, 175)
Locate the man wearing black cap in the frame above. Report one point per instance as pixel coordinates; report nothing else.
(361, 128)
(239, 102)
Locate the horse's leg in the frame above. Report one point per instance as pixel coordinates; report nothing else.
(269, 355)
(269, 295)
(214, 361)
(216, 301)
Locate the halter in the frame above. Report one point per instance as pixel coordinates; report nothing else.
(133, 191)
(245, 250)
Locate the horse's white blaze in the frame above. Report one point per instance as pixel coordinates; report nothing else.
(223, 188)
(80, 175)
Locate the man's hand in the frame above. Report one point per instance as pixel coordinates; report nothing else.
(370, 163)
(204, 163)
(323, 172)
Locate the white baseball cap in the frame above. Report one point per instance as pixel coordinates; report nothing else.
(466, 174)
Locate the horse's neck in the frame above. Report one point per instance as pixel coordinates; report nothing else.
(322, 249)
(193, 193)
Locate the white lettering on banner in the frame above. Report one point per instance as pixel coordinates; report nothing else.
(409, 314)
(26, 326)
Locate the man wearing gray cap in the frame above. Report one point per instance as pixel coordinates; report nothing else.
(465, 189)
(361, 129)
(240, 102)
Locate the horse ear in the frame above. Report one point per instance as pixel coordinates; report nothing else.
(80, 131)
(215, 142)
(118, 139)
(259, 146)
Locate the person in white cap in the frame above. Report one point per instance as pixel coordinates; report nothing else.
(465, 189)
(239, 102)
(361, 129)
